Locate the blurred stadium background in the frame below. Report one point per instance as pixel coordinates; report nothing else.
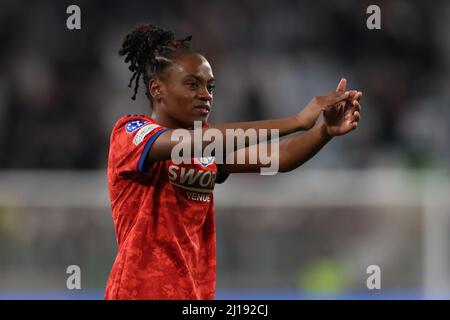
(379, 196)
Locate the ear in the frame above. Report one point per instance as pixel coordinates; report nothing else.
(155, 88)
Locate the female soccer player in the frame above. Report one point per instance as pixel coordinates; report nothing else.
(163, 210)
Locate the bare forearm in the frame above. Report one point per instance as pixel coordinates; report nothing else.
(285, 125)
(296, 150)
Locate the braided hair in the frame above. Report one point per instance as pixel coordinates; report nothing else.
(148, 50)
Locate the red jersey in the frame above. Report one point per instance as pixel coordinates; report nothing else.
(164, 219)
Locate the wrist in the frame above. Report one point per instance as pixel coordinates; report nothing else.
(324, 132)
(304, 121)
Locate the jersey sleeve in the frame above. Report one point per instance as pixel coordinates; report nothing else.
(131, 141)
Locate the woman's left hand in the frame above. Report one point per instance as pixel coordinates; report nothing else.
(343, 118)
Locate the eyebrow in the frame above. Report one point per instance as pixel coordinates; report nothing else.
(199, 78)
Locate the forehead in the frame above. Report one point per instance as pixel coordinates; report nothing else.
(191, 64)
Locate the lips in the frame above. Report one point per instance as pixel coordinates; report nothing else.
(203, 106)
(203, 109)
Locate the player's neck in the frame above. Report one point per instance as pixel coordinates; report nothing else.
(167, 121)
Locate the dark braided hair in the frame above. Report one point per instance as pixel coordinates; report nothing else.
(148, 50)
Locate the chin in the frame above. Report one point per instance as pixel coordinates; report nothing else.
(200, 118)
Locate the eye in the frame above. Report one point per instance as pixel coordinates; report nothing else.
(193, 85)
(211, 87)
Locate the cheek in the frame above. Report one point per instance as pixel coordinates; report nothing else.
(181, 96)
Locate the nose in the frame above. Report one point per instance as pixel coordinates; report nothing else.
(204, 94)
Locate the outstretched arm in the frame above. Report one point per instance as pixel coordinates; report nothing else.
(293, 151)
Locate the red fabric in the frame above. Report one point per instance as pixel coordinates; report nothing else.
(164, 220)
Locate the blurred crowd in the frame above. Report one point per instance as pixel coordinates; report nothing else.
(62, 90)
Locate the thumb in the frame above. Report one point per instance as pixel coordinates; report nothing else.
(342, 85)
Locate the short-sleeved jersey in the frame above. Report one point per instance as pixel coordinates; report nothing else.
(164, 218)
